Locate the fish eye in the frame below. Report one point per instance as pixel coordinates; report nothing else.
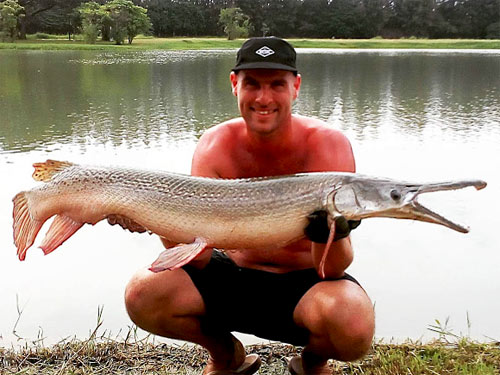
(395, 194)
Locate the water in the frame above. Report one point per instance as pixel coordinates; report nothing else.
(417, 115)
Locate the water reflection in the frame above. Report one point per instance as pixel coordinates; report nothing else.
(409, 91)
(54, 98)
(129, 97)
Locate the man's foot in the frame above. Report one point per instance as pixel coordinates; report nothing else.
(232, 360)
(296, 367)
(249, 366)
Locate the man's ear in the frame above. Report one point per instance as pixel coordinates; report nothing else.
(296, 85)
(233, 77)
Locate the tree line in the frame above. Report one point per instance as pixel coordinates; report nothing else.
(284, 18)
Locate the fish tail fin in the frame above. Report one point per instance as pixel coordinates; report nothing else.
(25, 226)
(62, 228)
(45, 171)
(177, 256)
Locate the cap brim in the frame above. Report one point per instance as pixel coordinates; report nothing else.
(264, 65)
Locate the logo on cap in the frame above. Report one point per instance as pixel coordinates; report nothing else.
(264, 51)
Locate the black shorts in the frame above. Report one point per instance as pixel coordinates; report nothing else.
(252, 301)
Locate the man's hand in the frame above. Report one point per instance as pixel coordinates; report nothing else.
(318, 231)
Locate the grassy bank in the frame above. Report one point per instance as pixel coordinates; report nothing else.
(94, 357)
(149, 43)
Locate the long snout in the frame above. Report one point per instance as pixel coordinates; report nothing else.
(422, 213)
(450, 185)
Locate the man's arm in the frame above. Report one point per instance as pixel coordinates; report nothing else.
(332, 152)
(207, 157)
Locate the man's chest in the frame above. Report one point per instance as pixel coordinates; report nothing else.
(246, 164)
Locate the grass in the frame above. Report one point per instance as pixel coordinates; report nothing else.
(106, 356)
(131, 355)
(60, 42)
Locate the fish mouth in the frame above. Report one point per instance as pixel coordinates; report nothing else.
(422, 213)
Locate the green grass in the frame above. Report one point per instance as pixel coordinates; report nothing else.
(60, 42)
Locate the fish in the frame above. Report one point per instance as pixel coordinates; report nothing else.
(199, 212)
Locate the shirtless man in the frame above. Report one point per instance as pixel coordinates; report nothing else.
(275, 294)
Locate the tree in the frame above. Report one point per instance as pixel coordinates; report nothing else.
(235, 23)
(284, 18)
(412, 17)
(373, 12)
(32, 8)
(315, 19)
(92, 18)
(265, 29)
(63, 18)
(10, 14)
(126, 19)
(139, 22)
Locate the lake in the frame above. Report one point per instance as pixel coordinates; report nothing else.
(413, 115)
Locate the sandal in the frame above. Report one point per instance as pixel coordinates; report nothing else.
(295, 366)
(250, 365)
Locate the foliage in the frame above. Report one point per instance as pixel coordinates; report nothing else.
(493, 31)
(126, 20)
(10, 14)
(42, 36)
(177, 18)
(235, 23)
(287, 18)
(118, 19)
(92, 16)
(61, 18)
(37, 10)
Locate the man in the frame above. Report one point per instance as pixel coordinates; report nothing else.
(274, 293)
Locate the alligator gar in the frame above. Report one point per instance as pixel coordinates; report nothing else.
(199, 212)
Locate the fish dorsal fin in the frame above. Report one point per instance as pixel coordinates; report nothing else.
(48, 169)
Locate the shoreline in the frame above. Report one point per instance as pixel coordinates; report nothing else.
(148, 43)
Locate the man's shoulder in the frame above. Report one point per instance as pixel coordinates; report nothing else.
(327, 147)
(222, 132)
(318, 131)
(216, 148)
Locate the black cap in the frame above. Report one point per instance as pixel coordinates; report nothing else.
(266, 53)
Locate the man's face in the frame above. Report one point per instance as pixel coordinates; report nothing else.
(265, 97)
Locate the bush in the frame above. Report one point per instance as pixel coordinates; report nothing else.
(42, 36)
(493, 31)
(90, 33)
(10, 14)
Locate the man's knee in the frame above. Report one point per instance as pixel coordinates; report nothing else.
(350, 324)
(356, 339)
(340, 318)
(152, 299)
(137, 297)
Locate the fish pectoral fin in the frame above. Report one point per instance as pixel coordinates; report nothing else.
(177, 256)
(62, 228)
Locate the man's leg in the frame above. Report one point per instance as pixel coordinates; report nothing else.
(340, 318)
(168, 304)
